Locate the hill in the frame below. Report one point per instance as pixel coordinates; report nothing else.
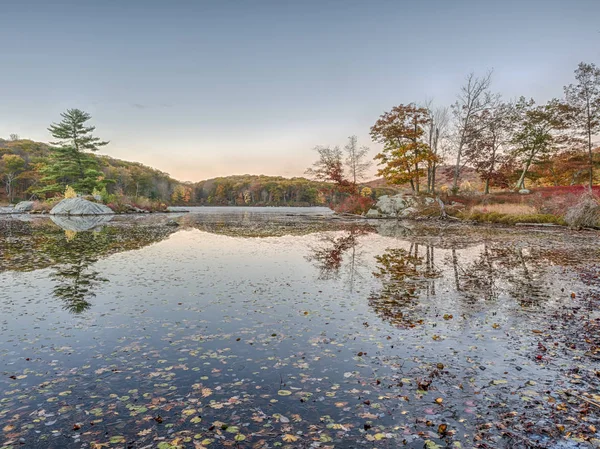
(136, 180)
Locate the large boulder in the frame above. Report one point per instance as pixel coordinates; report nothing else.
(23, 206)
(392, 206)
(79, 206)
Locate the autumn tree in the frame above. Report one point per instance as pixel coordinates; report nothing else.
(11, 166)
(489, 135)
(356, 160)
(329, 166)
(536, 134)
(474, 97)
(584, 99)
(70, 164)
(405, 151)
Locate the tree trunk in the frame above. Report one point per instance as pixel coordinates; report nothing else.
(521, 183)
(417, 176)
(486, 191)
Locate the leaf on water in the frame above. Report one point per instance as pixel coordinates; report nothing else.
(206, 392)
(289, 438)
(284, 392)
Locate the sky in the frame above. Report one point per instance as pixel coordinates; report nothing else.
(200, 89)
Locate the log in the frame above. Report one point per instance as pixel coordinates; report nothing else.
(543, 225)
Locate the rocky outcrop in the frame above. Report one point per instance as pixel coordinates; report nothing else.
(399, 206)
(80, 206)
(23, 207)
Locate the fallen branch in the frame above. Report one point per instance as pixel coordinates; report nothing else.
(544, 225)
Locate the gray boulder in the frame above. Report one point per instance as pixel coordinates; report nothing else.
(408, 212)
(79, 206)
(524, 191)
(392, 206)
(373, 213)
(23, 206)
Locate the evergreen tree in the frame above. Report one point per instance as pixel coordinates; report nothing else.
(69, 163)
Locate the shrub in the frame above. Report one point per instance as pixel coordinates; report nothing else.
(70, 192)
(354, 204)
(586, 213)
(42, 206)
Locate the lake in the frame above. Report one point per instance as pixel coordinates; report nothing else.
(267, 327)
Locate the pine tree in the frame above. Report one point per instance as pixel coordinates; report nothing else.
(69, 162)
(71, 131)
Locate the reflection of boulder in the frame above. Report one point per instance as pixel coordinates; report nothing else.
(23, 206)
(79, 206)
(80, 223)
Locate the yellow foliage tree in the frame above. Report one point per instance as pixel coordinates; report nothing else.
(70, 192)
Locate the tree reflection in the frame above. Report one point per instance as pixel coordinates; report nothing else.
(75, 280)
(70, 254)
(516, 271)
(339, 255)
(404, 274)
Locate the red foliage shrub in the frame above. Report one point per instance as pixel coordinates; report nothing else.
(354, 204)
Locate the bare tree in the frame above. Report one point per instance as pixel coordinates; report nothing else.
(474, 97)
(584, 99)
(437, 133)
(356, 160)
(489, 135)
(14, 137)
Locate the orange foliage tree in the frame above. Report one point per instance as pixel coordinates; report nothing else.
(405, 153)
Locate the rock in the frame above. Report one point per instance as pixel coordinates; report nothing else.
(172, 223)
(392, 205)
(97, 197)
(408, 212)
(23, 206)
(6, 210)
(524, 191)
(429, 201)
(80, 206)
(373, 213)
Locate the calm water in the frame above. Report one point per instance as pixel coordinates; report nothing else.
(262, 328)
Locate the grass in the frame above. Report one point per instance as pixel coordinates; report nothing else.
(505, 209)
(511, 219)
(509, 214)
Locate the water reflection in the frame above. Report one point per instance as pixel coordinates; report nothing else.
(71, 252)
(339, 255)
(83, 223)
(75, 280)
(403, 274)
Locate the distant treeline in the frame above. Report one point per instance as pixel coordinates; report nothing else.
(23, 160)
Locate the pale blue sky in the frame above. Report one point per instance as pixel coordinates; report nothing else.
(206, 88)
